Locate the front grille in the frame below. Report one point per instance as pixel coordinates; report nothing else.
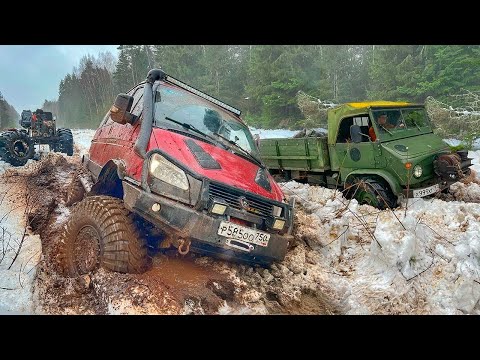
(233, 198)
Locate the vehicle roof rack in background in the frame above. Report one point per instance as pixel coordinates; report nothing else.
(227, 107)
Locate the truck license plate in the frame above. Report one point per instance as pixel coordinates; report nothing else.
(234, 231)
(426, 191)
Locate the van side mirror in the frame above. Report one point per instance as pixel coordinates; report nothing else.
(120, 110)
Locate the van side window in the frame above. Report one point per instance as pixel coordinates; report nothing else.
(137, 105)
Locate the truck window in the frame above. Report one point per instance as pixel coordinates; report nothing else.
(344, 130)
(362, 120)
(415, 117)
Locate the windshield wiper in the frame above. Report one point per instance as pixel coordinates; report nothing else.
(418, 127)
(259, 163)
(384, 128)
(193, 128)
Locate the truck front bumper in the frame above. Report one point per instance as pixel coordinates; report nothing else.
(181, 221)
(439, 183)
(427, 188)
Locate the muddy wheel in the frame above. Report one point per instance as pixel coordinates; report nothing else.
(101, 232)
(75, 192)
(373, 192)
(65, 142)
(16, 147)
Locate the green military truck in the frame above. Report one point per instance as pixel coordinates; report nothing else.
(378, 152)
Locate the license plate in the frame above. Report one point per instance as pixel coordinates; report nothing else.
(426, 191)
(234, 231)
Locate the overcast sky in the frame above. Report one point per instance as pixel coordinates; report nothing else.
(29, 74)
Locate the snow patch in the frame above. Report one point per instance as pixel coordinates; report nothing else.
(425, 262)
(16, 277)
(82, 138)
(278, 133)
(4, 166)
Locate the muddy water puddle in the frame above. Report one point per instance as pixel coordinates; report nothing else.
(189, 282)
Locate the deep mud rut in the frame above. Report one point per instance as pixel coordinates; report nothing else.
(192, 284)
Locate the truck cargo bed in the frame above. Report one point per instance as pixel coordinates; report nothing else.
(307, 154)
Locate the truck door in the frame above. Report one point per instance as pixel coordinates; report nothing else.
(354, 148)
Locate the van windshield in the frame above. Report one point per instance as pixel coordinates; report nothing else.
(187, 108)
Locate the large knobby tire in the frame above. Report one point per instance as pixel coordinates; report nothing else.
(16, 147)
(76, 191)
(374, 192)
(101, 232)
(65, 142)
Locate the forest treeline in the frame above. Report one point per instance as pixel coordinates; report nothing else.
(8, 115)
(264, 80)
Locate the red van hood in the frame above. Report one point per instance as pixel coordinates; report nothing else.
(235, 170)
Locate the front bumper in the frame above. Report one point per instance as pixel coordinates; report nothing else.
(200, 228)
(426, 185)
(443, 184)
(449, 168)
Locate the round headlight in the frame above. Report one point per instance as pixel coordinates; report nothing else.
(417, 171)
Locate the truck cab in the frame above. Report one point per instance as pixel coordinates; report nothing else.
(393, 141)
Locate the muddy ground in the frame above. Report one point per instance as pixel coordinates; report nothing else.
(175, 284)
(302, 284)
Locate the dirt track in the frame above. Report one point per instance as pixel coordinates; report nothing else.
(174, 285)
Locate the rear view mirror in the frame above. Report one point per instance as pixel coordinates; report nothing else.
(120, 110)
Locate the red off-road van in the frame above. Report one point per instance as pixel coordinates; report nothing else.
(172, 161)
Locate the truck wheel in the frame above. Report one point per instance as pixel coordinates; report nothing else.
(374, 192)
(101, 232)
(65, 142)
(16, 147)
(75, 192)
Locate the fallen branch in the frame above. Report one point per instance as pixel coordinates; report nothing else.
(338, 237)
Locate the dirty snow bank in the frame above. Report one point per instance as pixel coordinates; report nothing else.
(475, 155)
(272, 134)
(82, 139)
(277, 133)
(16, 280)
(4, 166)
(425, 262)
